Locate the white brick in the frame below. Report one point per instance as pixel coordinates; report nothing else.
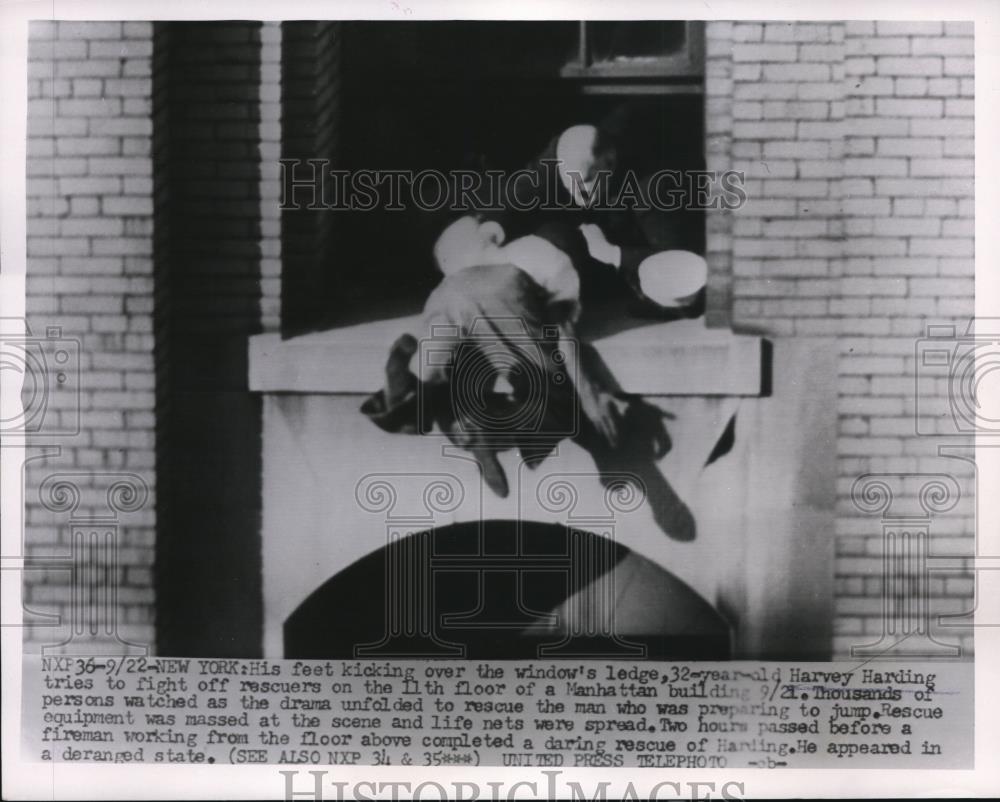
(137, 30)
(860, 146)
(92, 68)
(746, 150)
(868, 446)
(940, 207)
(819, 130)
(909, 28)
(763, 130)
(794, 308)
(821, 168)
(957, 228)
(859, 28)
(747, 111)
(747, 32)
(959, 65)
(817, 247)
(795, 228)
(942, 167)
(961, 28)
(747, 72)
(942, 46)
(769, 91)
(859, 66)
(880, 127)
(801, 189)
(938, 287)
(128, 87)
(871, 85)
(911, 87)
(878, 46)
(120, 166)
(88, 146)
(127, 206)
(874, 246)
(849, 307)
(954, 246)
(792, 149)
(772, 168)
(796, 72)
(947, 127)
(761, 207)
(942, 87)
(764, 52)
(860, 107)
(894, 65)
(905, 226)
(959, 108)
(90, 226)
(812, 32)
(910, 265)
(893, 107)
(924, 187)
(89, 30)
(821, 52)
(796, 110)
(756, 247)
(857, 187)
(875, 167)
(899, 146)
(873, 286)
(95, 107)
(818, 91)
(868, 207)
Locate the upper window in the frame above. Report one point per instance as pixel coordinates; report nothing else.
(639, 49)
(455, 95)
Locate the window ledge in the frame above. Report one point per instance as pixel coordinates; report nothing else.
(653, 358)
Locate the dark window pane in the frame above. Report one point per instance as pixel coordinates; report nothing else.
(610, 41)
(452, 50)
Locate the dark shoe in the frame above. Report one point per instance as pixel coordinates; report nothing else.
(491, 470)
(400, 381)
(394, 408)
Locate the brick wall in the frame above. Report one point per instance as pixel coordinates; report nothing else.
(89, 249)
(857, 142)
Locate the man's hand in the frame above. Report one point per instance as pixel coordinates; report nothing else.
(606, 412)
(598, 245)
(601, 407)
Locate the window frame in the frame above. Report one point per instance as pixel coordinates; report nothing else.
(687, 65)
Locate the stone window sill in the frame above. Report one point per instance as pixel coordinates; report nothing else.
(653, 358)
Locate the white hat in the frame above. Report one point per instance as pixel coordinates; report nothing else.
(672, 278)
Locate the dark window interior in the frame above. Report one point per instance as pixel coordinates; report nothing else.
(489, 95)
(610, 41)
